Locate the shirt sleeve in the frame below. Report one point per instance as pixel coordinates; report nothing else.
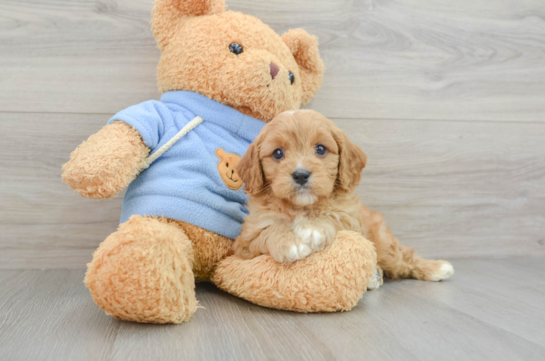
(150, 119)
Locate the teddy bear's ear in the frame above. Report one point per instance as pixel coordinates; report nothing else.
(220, 153)
(168, 15)
(304, 48)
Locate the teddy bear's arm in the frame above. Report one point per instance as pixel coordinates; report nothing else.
(107, 162)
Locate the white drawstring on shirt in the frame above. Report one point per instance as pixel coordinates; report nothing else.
(188, 127)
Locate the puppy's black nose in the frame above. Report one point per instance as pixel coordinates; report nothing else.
(300, 176)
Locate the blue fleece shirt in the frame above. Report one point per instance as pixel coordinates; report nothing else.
(185, 182)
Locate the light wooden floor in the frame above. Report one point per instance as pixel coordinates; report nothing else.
(490, 310)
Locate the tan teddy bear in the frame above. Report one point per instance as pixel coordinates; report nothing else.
(223, 75)
(227, 169)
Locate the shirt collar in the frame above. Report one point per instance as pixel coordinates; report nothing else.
(217, 113)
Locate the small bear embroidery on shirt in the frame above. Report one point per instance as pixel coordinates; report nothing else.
(226, 167)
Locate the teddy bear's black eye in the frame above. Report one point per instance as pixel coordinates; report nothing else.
(292, 77)
(278, 154)
(235, 48)
(227, 165)
(321, 150)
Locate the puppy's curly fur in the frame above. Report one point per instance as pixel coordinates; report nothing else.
(301, 172)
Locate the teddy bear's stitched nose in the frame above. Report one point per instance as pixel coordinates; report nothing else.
(274, 69)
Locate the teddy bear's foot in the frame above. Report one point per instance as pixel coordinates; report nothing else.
(142, 272)
(330, 280)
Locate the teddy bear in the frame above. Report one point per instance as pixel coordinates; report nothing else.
(227, 169)
(223, 75)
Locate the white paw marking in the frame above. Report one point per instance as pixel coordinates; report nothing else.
(297, 252)
(318, 240)
(311, 237)
(304, 251)
(375, 282)
(444, 272)
(310, 240)
(304, 233)
(293, 253)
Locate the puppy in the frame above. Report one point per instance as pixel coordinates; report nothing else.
(301, 172)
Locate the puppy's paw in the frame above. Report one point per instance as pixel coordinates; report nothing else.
(298, 245)
(310, 237)
(432, 270)
(298, 251)
(291, 251)
(442, 272)
(376, 280)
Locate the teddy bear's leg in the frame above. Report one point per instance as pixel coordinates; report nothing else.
(330, 280)
(398, 261)
(209, 249)
(143, 272)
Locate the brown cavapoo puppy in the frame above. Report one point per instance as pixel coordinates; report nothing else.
(301, 172)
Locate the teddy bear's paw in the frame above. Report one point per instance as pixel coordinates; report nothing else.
(376, 280)
(98, 170)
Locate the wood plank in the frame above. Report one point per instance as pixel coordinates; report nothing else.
(49, 315)
(43, 223)
(53, 312)
(504, 298)
(456, 189)
(436, 321)
(405, 59)
(449, 189)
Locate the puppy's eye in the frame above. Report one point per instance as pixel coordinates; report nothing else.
(235, 48)
(321, 150)
(292, 77)
(278, 154)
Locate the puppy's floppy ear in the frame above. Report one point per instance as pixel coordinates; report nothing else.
(352, 160)
(168, 15)
(304, 48)
(250, 171)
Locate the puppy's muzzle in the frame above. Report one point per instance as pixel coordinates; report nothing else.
(301, 177)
